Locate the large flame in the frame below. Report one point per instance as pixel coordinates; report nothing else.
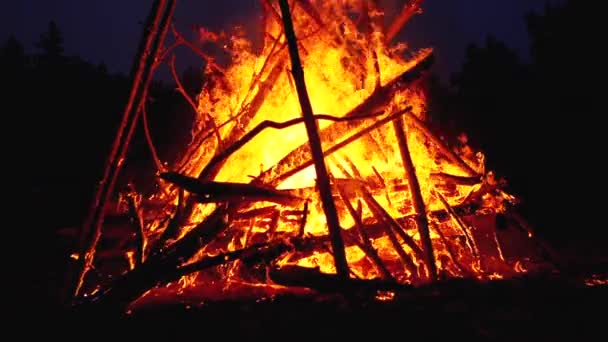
(345, 60)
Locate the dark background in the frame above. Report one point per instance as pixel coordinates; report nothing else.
(522, 85)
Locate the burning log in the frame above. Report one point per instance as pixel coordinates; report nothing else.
(366, 245)
(311, 278)
(91, 230)
(450, 250)
(388, 226)
(315, 145)
(307, 161)
(213, 166)
(419, 206)
(140, 240)
(458, 180)
(207, 192)
(173, 225)
(463, 227)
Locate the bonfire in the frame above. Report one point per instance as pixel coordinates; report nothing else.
(310, 168)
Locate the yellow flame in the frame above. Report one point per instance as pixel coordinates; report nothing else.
(339, 61)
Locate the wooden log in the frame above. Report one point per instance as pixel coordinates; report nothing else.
(459, 223)
(378, 100)
(387, 225)
(458, 180)
(140, 237)
(314, 140)
(208, 191)
(366, 244)
(419, 205)
(210, 170)
(154, 37)
(311, 278)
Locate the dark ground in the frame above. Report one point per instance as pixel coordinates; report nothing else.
(538, 309)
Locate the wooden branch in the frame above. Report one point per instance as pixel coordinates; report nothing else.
(180, 40)
(208, 192)
(91, 231)
(148, 136)
(214, 164)
(419, 206)
(387, 225)
(459, 222)
(314, 140)
(298, 276)
(182, 90)
(370, 31)
(366, 245)
(378, 100)
(140, 237)
(458, 180)
(173, 225)
(453, 157)
(453, 256)
(406, 14)
(303, 221)
(305, 160)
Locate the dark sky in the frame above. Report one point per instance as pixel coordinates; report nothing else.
(110, 30)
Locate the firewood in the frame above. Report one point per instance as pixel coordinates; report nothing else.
(459, 223)
(365, 245)
(213, 165)
(140, 237)
(256, 213)
(388, 227)
(208, 191)
(160, 19)
(306, 160)
(303, 221)
(453, 256)
(458, 180)
(419, 205)
(311, 278)
(314, 141)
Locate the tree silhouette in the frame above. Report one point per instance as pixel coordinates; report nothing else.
(536, 121)
(51, 41)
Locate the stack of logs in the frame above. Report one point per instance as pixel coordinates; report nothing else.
(163, 260)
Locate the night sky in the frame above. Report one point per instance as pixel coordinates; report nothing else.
(109, 31)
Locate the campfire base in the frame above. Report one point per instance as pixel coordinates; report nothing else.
(544, 307)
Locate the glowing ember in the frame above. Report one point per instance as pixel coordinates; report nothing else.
(596, 280)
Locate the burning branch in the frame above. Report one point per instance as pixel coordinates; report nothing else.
(378, 100)
(208, 191)
(182, 90)
(306, 161)
(365, 244)
(419, 206)
(315, 146)
(135, 212)
(146, 127)
(406, 14)
(463, 227)
(218, 159)
(91, 229)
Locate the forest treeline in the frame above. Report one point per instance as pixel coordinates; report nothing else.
(536, 119)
